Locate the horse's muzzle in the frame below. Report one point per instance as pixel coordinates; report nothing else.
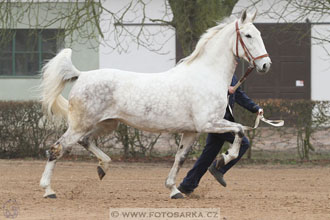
(264, 67)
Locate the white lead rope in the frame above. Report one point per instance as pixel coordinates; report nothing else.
(275, 123)
(260, 117)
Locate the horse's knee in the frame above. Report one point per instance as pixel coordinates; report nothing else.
(240, 132)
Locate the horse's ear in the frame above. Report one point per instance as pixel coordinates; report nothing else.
(254, 16)
(243, 16)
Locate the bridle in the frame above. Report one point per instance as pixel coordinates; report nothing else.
(249, 56)
(247, 53)
(260, 116)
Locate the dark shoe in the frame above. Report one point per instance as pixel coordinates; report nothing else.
(217, 175)
(184, 191)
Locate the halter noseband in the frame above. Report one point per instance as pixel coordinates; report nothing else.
(246, 50)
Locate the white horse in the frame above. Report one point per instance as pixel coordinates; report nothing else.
(190, 98)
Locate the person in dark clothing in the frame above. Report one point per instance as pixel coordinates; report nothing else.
(214, 143)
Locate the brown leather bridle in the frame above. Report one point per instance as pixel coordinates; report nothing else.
(248, 55)
(246, 50)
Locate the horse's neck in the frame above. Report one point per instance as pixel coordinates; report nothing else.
(218, 55)
(221, 49)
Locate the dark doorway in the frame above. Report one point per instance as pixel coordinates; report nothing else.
(290, 76)
(289, 48)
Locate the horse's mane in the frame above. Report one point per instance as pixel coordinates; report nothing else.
(208, 35)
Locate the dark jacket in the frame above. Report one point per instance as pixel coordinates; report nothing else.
(242, 99)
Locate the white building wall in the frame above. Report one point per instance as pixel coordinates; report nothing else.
(272, 11)
(320, 63)
(157, 56)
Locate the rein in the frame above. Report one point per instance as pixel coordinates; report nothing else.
(243, 78)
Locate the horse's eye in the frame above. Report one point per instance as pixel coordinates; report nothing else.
(248, 36)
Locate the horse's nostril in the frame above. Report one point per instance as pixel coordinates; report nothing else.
(264, 66)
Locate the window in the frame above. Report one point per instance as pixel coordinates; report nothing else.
(26, 50)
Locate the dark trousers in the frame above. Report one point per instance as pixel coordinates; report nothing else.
(213, 145)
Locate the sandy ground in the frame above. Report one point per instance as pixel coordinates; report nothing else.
(253, 192)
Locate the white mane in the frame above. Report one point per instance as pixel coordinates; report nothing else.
(204, 39)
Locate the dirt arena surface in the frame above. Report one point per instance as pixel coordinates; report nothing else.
(253, 191)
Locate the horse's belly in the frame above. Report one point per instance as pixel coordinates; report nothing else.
(168, 124)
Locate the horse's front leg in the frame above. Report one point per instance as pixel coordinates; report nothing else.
(186, 143)
(231, 154)
(224, 126)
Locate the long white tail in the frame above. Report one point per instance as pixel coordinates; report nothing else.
(55, 74)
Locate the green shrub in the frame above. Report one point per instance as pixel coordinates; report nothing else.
(305, 116)
(24, 132)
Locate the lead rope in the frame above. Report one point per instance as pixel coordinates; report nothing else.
(260, 116)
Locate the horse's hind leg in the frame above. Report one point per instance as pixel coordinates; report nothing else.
(56, 152)
(105, 126)
(104, 159)
(186, 143)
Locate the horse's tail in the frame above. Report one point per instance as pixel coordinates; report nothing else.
(55, 74)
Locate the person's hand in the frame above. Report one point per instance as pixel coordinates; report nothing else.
(260, 111)
(231, 90)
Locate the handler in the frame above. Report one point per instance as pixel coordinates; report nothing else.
(215, 142)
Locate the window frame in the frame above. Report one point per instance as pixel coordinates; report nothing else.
(39, 52)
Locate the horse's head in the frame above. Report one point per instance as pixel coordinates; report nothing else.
(249, 43)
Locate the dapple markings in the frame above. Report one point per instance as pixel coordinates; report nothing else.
(190, 98)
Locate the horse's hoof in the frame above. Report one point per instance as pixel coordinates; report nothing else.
(100, 172)
(177, 196)
(51, 196)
